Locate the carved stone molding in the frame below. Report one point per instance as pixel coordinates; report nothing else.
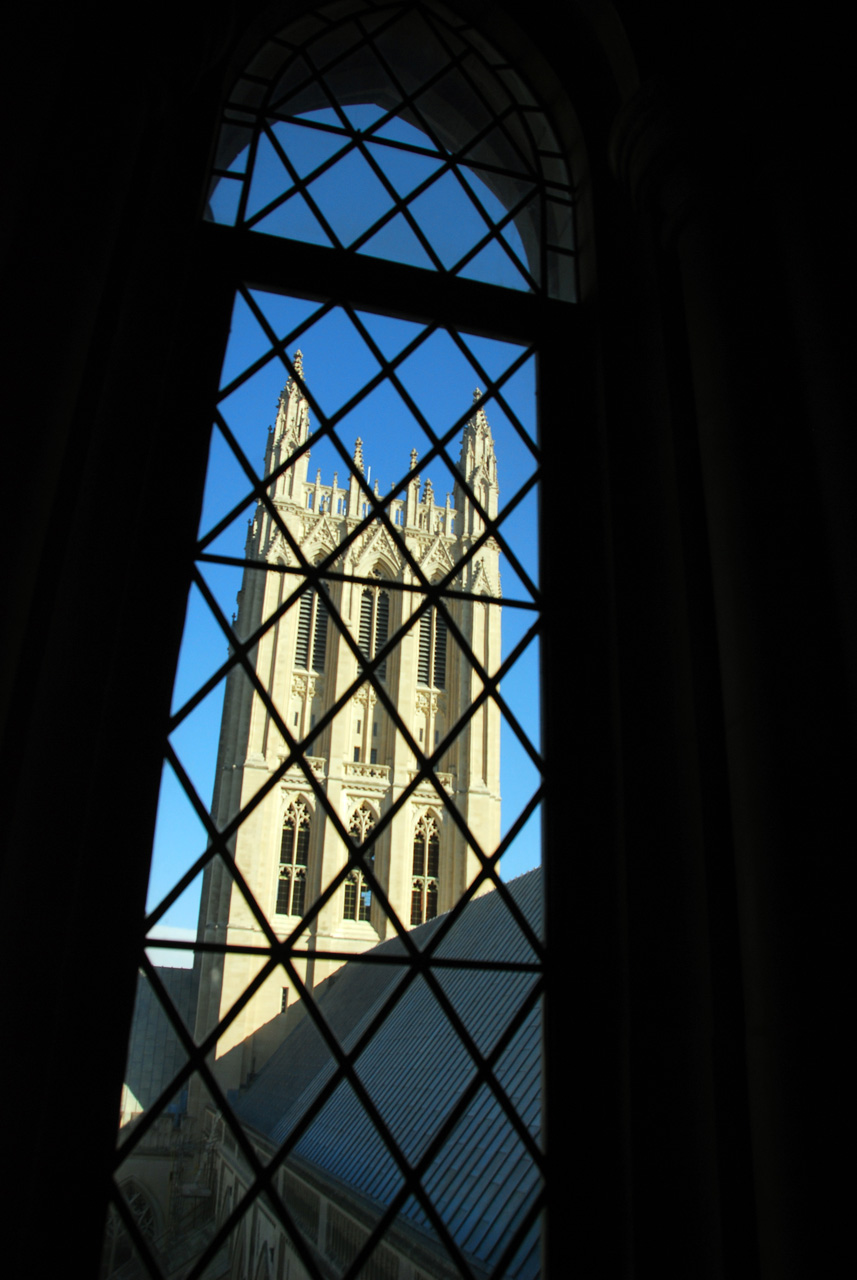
(294, 773)
(303, 686)
(365, 696)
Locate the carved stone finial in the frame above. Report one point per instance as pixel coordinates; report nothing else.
(414, 456)
(358, 454)
(477, 395)
(299, 363)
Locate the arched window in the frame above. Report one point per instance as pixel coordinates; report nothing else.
(426, 870)
(390, 138)
(431, 666)
(294, 851)
(374, 625)
(311, 643)
(358, 892)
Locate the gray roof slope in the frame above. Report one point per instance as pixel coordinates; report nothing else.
(155, 1054)
(414, 1070)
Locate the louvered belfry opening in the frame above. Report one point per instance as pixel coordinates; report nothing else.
(330, 815)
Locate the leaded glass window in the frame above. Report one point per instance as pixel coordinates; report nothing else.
(404, 567)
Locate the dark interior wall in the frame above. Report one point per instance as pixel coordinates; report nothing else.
(712, 542)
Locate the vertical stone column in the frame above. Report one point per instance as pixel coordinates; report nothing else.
(769, 678)
(688, 1126)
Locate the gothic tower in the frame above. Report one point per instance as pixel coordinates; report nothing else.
(309, 665)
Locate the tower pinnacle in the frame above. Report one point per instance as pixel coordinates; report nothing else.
(290, 432)
(478, 466)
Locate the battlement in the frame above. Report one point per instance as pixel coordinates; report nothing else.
(414, 512)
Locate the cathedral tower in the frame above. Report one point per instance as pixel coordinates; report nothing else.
(357, 763)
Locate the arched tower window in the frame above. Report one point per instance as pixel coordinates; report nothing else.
(431, 665)
(311, 643)
(426, 870)
(457, 233)
(294, 851)
(358, 892)
(374, 624)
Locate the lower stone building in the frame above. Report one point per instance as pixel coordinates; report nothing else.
(469, 1125)
(422, 1122)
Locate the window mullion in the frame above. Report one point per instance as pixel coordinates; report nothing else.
(330, 274)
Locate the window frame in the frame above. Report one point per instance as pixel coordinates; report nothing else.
(225, 258)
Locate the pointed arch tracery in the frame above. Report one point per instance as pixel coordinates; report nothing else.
(358, 891)
(294, 858)
(425, 883)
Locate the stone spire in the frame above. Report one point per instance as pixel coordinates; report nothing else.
(291, 430)
(478, 466)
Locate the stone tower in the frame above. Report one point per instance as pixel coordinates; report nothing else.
(288, 849)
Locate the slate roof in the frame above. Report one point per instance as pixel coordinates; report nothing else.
(155, 1054)
(415, 1069)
